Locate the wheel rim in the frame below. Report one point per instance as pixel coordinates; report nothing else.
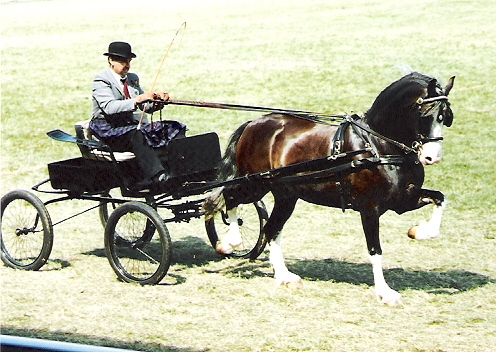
(22, 233)
(137, 249)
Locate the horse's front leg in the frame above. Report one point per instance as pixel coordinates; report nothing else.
(384, 294)
(430, 229)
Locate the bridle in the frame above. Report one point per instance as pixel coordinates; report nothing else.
(442, 99)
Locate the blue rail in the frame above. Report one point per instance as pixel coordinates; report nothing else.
(11, 343)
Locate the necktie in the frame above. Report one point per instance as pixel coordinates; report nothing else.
(126, 91)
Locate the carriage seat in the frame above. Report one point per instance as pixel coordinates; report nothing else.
(83, 132)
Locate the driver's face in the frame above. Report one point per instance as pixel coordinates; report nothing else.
(120, 65)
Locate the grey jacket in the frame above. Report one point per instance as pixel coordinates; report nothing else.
(109, 99)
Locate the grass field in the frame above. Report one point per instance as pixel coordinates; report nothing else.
(326, 56)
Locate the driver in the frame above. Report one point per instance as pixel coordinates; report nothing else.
(117, 101)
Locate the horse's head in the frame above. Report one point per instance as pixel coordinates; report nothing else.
(413, 111)
(435, 113)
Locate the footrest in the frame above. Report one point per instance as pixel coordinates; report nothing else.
(62, 136)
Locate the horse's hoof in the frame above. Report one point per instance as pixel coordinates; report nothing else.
(412, 232)
(393, 302)
(221, 250)
(289, 280)
(294, 285)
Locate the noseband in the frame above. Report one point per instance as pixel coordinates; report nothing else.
(421, 101)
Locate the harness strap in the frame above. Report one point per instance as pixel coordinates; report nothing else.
(340, 170)
(403, 146)
(338, 138)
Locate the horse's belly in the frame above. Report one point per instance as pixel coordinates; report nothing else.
(327, 195)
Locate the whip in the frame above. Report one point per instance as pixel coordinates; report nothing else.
(183, 25)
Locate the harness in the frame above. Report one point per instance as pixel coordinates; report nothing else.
(337, 165)
(311, 173)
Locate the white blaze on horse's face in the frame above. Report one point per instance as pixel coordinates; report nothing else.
(432, 122)
(432, 152)
(435, 114)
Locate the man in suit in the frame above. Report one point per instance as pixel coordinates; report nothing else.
(117, 99)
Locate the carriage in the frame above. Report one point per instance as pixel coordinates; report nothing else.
(137, 241)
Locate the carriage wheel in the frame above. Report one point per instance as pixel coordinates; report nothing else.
(137, 244)
(251, 220)
(26, 231)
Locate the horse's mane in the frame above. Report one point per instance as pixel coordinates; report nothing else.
(400, 95)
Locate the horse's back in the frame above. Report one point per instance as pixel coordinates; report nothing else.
(277, 140)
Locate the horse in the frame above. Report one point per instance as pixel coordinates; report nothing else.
(381, 159)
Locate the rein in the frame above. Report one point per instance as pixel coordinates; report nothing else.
(320, 117)
(309, 115)
(414, 148)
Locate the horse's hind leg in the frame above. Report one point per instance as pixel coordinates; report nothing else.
(431, 228)
(283, 208)
(233, 198)
(232, 240)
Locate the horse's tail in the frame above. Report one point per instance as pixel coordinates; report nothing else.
(227, 170)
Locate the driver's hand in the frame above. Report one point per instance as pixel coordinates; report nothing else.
(162, 96)
(142, 98)
(160, 100)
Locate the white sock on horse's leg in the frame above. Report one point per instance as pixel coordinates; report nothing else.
(233, 238)
(383, 292)
(281, 273)
(430, 229)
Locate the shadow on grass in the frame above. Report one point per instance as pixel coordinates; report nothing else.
(194, 252)
(189, 251)
(436, 282)
(55, 265)
(88, 340)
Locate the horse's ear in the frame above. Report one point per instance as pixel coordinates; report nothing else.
(449, 85)
(431, 88)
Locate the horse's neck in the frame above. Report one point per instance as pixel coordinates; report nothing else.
(397, 127)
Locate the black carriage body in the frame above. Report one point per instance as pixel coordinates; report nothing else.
(194, 158)
(186, 159)
(83, 175)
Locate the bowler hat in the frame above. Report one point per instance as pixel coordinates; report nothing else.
(121, 49)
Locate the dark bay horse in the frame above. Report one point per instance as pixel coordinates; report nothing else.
(385, 152)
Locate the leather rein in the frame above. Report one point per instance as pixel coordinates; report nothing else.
(326, 118)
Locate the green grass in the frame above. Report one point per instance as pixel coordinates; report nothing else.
(316, 55)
